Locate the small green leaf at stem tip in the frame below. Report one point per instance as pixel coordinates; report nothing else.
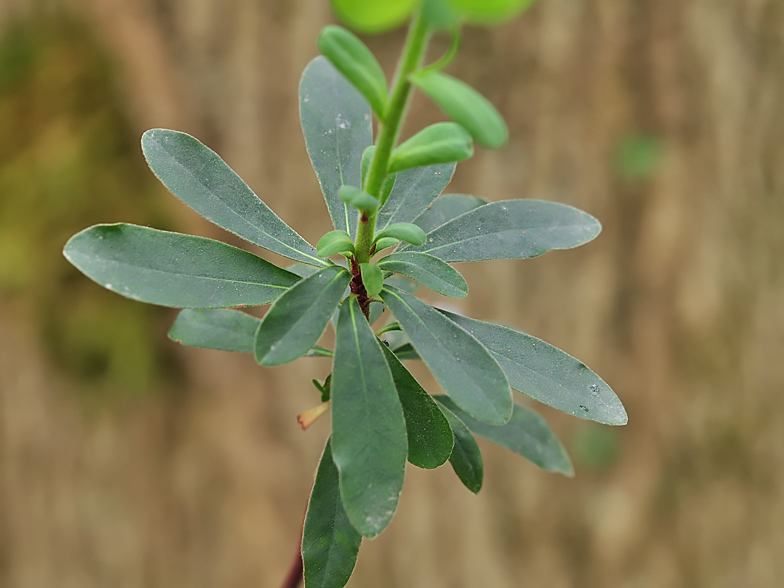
(367, 159)
(353, 59)
(465, 106)
(335, 242)
(357, 198)
(439, 143)
(385, 242)
(408, 232)
(489, 12)
(373, 17)
(372, 278)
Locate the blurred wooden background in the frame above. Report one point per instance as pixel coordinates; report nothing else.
(126, 461)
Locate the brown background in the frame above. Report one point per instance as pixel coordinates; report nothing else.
(126, 461)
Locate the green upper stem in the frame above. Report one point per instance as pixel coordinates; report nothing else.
(389, 129)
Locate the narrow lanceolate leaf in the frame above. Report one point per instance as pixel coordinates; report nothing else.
(526, 433)
(512, 229)
(546, 373)
(337, 125)
(330, 543)
(295, 322)
(369, 444)
(175, 270)
(463, 367)
(437, 144)
(196, 175)
(353, 59)
(465, 106)
(429, 271)
(430, 438)
(372, 278)
(445, 208)
(406, 351)
(219, 328)
(414, 191)
(466, 459)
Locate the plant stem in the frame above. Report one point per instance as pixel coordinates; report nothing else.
(294, 575)
(389, 129)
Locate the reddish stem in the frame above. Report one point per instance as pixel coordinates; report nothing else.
(294, 576)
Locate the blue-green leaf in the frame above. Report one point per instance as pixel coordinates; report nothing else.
(445, 208)
(369, 443)
(465, 106)
(353, 59)
(330, 543)
(196, 175)
(430, 438)
(175, 270)
(219, 328)
(466, 458)
(526, 434)
(546, 373)
(512, 229)
(429, 271)
(463, 367)
(337, 125)
(415, 190)
(295, 322)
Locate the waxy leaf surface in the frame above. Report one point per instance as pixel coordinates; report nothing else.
(546, 373)
(512, 229)
(175, 270)
(330, 543)
(195, 174)
(466, 458)
(298, 318)
(445, 208)
(337, 125)
(439, 143)
(415, 190)
(369, 442)
(526, 433)
(462, 366)
(429, 271)
(218, 328)
(430, 438)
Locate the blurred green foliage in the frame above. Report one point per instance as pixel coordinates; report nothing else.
(638, 157)
(68, 159)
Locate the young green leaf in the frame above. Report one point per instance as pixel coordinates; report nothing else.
(335, 242)
(171, 269)
(386, 242)
(429, 271)
(372, 278)
(221, 329)
(337, 124)
(330, 543)
(546, 373)
(414, 191)
(295, 322)
(369, 443)
(445, 208)
(463, 367)
(512, 229)
(407, 232)
(526, 433)
(367, 159)
(466, 458)
(353, 59)
(373, 17)
(430, 438)
(196, 175)
(465, 106)
(439, 143)
(357, 198)
(489, 11)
